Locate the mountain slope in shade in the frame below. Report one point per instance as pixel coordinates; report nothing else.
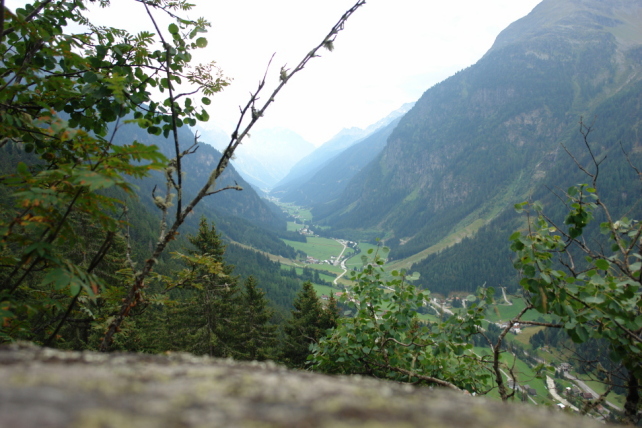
(307, 167)
(332, 178)
(490, 135)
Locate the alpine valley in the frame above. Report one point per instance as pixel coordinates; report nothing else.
(440, 193)
(253, 271)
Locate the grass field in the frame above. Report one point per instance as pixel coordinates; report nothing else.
(506, 312)
(526, 335)
(324, 289)
(319, 248)
(296, 211)
(293, 227)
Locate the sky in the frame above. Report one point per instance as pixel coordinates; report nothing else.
(389, 53)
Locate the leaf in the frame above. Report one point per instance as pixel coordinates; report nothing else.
(201, 42)
(602, 264)
(89, 77)
(59, 277)
(173, 28)
(520, 207)
(595, 299)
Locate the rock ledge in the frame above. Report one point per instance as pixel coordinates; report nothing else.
(47, 388)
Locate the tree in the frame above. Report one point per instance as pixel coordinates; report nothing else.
(203, 318)
(257, 336)
(594, 288)
(308, 322)
(59, 93)
(385, 337)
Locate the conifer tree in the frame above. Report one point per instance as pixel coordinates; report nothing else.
(257, 339)
(308, 323)
(205, 316)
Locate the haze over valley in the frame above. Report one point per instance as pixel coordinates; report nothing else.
(480, 233)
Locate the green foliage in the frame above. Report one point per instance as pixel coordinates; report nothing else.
(594, 290)
(204, 318)
(257, 336)
(385, 337)
(309, 322)
(58, 94)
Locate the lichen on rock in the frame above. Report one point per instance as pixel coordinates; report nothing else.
(47, 388)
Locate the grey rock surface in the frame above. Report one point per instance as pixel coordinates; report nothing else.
(46, 388)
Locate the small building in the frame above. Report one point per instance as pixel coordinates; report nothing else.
(530, 390)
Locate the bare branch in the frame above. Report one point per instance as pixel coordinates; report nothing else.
(542, 324)
(429, 379)
(135, 292)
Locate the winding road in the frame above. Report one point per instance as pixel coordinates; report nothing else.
(342, 262)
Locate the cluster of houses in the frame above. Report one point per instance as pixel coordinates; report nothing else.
(515, 329)
(312, 261)
(574, 391)
(307, 232)
(336, 295)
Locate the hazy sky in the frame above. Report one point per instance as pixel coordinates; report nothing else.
(389, 53)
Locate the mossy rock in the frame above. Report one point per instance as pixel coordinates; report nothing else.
(47, 388)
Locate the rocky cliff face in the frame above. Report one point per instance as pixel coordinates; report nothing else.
(45, 388)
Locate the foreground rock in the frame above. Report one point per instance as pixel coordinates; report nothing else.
(46, 388)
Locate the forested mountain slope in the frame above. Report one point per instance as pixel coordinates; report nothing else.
(240, 215)
(491, 135)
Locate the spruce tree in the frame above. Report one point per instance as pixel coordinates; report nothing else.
(257, 338)
(204, 317)
(308, 323)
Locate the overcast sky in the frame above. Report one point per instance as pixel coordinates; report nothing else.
(389, 53)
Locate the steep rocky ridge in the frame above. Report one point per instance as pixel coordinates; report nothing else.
(45, 388)
(490, 135)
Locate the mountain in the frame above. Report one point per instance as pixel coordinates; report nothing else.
(307, 167)
(267, 155)
(332, 177)
(489, 136)
(241, 216)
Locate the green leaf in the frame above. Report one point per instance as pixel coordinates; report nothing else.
(89, 77)
(520, 207)
(602, 264)
(595, 299)
(60, 278)
(515, 236)
(173, 28)
(201, 42)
